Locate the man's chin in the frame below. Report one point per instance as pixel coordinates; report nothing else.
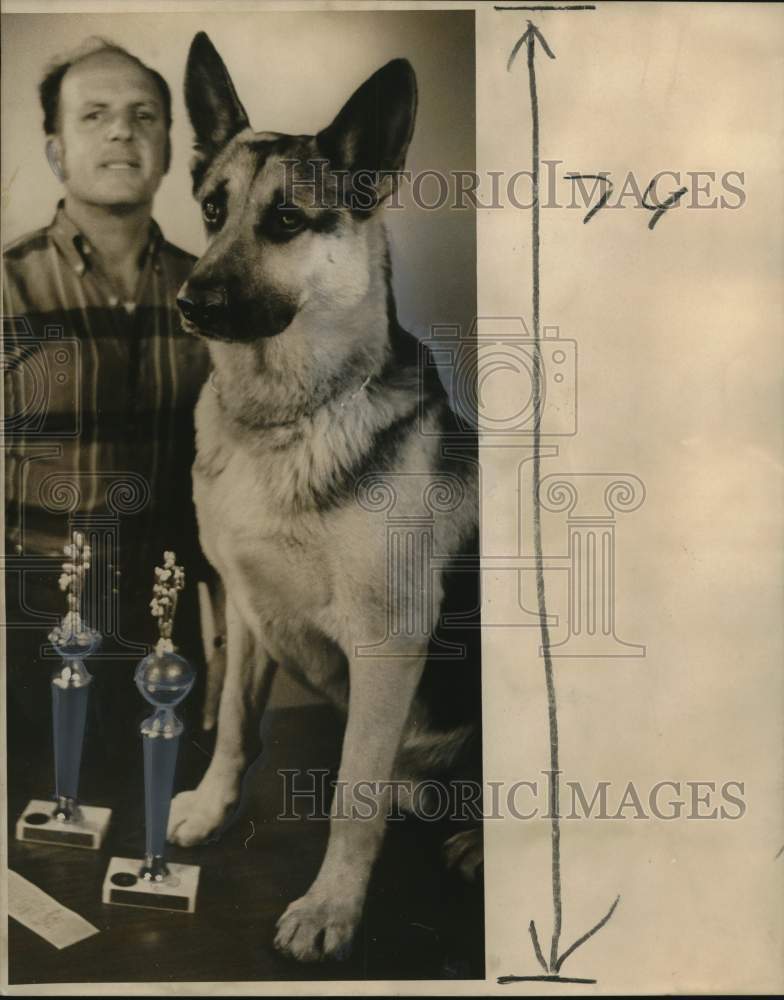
(120, 194)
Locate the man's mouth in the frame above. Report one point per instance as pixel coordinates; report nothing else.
(121, 165)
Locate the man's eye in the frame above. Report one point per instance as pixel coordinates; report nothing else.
(92, 116)
(211, 212)
(145, 116)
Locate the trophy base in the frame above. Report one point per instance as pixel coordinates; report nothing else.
(177, 891)
(88, 830)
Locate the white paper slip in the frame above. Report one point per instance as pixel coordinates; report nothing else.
(37, 911)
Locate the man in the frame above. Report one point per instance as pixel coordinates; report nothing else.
(100, 381)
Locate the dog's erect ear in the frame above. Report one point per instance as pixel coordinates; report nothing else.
(374, 127)
(215, 111)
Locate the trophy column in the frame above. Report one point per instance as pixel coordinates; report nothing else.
(164, 679)
(69, 823)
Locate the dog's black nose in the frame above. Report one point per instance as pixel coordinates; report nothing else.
(204, 310)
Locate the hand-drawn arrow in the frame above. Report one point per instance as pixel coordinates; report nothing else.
(552, 967)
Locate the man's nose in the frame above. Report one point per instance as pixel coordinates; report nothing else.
(120, 127)
(205, 307)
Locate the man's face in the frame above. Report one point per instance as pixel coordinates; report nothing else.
(112, 132)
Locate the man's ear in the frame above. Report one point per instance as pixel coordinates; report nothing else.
(215, 111)
(374, 127)
(54, 156)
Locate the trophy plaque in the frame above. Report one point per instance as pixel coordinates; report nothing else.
(67, 821)
(164, 678)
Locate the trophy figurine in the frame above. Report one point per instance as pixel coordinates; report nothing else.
(164, 679)
(69, 822)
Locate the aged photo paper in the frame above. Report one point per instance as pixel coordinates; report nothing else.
(481, 303)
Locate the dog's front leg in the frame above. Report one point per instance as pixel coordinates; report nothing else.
(199, 815)
(322, 922)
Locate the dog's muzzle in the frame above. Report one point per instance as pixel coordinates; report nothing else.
(221, 313)
(205, 310)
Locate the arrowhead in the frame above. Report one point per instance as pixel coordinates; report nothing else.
(532, 33)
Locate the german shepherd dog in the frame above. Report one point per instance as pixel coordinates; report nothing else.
(319, 424)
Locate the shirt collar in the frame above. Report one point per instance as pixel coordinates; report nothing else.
(75, 246)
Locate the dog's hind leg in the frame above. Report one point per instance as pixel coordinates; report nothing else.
(322, 923)
(201, 814)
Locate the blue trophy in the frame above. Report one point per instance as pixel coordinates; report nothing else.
(68, 822)
(163, 678)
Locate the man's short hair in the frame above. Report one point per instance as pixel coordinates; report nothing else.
(49, 88)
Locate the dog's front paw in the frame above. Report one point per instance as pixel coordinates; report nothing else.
(198, 816)
(314, 928)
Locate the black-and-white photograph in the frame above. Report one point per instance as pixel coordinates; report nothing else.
(242, 596)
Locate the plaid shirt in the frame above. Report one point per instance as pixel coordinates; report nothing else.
(99, 393)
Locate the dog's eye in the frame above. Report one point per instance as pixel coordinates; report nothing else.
(211, 212)
(291, 220)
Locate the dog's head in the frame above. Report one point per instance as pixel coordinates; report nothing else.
(290, 219)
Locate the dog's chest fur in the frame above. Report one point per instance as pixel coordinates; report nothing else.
(247, 531)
